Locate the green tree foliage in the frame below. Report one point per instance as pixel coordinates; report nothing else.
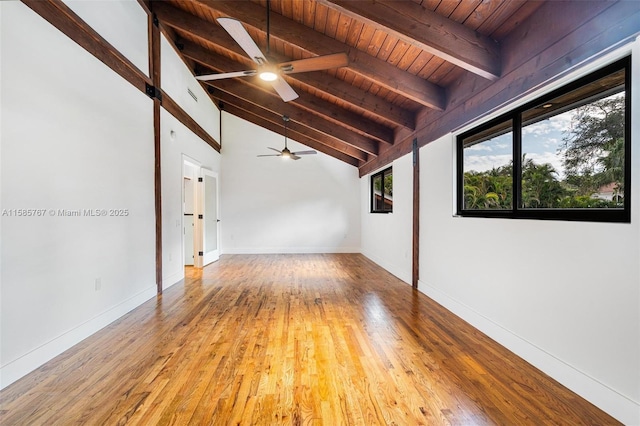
(388, 184)
(594, 147)
(540, 186)
(493, 189)
(488, 190)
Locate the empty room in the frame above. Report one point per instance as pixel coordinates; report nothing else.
(364, 212)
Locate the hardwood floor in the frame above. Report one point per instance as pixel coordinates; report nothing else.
(291, 339)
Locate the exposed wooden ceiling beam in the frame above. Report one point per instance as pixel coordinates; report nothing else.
(319, 81)
(361, 63)
(184, 22)
(296, 131)
(205, 30)
(428, 31)
(358, 98)
(314, 105)
(600, 24)
(272, 103)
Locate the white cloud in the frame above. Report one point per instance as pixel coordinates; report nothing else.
(555, 125)
(551, 143)
(479, 147)
(483, 163)
(548, 158)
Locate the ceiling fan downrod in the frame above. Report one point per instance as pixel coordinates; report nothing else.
(286, 120)
(268, 26)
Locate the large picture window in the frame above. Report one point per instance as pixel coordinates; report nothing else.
(563, 156)
(382, 192)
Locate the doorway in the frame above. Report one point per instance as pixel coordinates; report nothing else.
(200, 219)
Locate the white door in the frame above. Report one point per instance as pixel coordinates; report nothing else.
(188, 207)
(209, 224)
(189, 258)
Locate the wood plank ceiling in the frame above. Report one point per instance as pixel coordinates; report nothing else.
(403, 57)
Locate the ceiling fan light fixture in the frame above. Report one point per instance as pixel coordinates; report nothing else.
(268, 75)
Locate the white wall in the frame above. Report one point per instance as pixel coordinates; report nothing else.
(387, 238)
(563, 295)
(177, 80)
(74, 136)
(271, 205)
(123, 23)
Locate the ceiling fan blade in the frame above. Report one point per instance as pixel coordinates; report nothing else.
(294, 157)
(318, 63)
(244, 40)
(269, 155)
(276, 150)
(220, 76)
(285, 91)
(304, 152)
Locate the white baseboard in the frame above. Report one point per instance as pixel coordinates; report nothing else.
(30, 361)
(172, 279)
(290, 250)
(390, 267)
(617, 405)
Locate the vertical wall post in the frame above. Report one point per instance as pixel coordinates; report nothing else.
(416, 215)
(154, 70)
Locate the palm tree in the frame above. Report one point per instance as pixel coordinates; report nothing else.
(488, 190)
(540, 187)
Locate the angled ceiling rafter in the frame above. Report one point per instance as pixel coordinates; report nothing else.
(310, 103)
(208, 32)
(271, 103)
(290, 32)
(427, 30)
(296, 131)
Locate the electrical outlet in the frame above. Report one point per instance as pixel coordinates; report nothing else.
(98, 284)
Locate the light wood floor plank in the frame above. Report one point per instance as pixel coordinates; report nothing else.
(291, 339)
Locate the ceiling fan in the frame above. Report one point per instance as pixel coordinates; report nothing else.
(272, 72)
(286, 153)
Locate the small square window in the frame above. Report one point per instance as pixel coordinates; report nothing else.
(382, 191)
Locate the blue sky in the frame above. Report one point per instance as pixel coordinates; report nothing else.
(541, 142)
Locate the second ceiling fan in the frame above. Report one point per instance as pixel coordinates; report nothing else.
(286, 152)
(268, 71)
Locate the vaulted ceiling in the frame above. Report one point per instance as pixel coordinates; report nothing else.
(404, 58)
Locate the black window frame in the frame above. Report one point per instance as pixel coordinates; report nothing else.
(382, 174)
(622, 215)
